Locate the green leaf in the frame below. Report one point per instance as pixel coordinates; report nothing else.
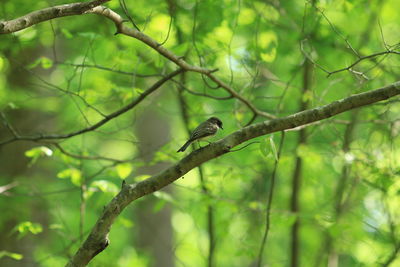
(67, 33)
(273, 147)
(38, 152)
(138, 91)
(35, 63)
(56, 226)
(15, 256)
(105, 186)
(12, 105)
(74, 174)
(239, 115)
(27, 227)
(123, 170)
(308, 96)
(47, 63)
(256, 205)
(142, 177)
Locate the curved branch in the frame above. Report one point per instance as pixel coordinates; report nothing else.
(107, 118)
(83, 157)
(97, 240)
(47, 14)
(121, 29)
(185, 88)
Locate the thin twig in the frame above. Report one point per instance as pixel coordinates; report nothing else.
(363, 58)
(269, 203)
(182, 86)
(336, 31)
(126, 12)
(108, 69)
(243, 147)
(69, 154)
(8, 125)
(100, 123)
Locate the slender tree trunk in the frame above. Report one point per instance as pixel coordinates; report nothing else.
(154, 229)
(297, 174)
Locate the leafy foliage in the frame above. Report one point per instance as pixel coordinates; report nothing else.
(69, 73)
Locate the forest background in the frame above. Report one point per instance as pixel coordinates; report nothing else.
(97, 96)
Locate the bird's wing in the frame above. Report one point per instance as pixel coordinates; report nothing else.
(203, 130)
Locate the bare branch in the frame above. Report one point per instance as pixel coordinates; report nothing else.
(8, 125)
(361, 59)
(47, 14)
(97, 240)
(337, 31)
(185, 88)
(107, 118)
(121, 29)
(95, 66)
(5, 188)
(69, 154)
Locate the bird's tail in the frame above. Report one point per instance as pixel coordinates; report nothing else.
(183, 148)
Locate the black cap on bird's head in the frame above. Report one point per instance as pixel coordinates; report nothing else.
(216, 121)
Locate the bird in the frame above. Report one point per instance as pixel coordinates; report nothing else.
(205, 129)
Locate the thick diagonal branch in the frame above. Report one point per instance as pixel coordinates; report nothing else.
(98, 240)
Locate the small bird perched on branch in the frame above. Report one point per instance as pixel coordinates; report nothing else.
(204, 130)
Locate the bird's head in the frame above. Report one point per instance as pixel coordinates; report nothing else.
(216, 121)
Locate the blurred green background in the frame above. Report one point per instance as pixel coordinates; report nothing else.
(65, 74)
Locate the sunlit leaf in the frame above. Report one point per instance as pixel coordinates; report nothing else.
(73, 174)
(35, 63)
(15, 256)
(56, 226)
(46, 63)
(141, 177)
(255, 205)
(27, 227)
(12, 105)
(105, 186)
(123, 170)
(37, 152)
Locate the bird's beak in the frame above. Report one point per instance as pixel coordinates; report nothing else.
(221, 128)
